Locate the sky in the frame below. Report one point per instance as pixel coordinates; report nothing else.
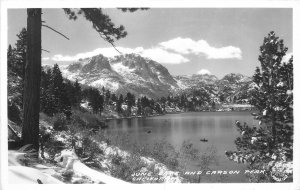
(186, 41)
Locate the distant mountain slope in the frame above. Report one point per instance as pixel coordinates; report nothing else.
(230, 85)
(142, 76)
(195, 80)
(122, 74)
(234, 86)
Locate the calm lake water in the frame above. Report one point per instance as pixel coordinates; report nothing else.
(217, 127)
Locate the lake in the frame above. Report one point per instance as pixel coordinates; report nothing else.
(217, 127)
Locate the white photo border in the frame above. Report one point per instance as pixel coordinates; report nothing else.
(8, 4)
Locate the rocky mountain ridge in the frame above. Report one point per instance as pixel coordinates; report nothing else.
(145, 77)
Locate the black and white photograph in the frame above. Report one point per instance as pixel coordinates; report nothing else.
(148, 95)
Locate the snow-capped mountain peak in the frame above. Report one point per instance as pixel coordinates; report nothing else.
(142, 76)
(122, 74)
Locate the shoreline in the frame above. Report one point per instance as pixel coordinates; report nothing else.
(130, 117)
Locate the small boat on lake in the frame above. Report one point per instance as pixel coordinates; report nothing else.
(203, 140)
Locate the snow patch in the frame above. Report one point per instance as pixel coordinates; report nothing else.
(27, 175)
(85, 61)
(70, 75)
(85, 105)
(106, 83)
(120, 68)
(180, 84)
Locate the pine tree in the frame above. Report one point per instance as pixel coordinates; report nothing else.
(70, 92)
(96, 100)
(213, 105)
(47, 98)
(182, 101)
(16, 58)
(10, 58)
(56, 96)
(73, 93)
(114, 98)
(77, 94)
(163, 103)
(221, 97)
(169, 99)
(158, 109)
(130, 101)
(107, 97)
(14, 88)
(57, 88)
(139, 107)
(20, 52)
(119, 104)
(271, 143)
(273, 81)
(121, 99)
(101, 104)
(151, 103)
(65, 102)
(145, 102)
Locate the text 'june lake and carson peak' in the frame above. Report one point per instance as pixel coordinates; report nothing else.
(208, 172)
(148, 176)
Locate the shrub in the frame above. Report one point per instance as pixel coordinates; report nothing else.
(116, 159)
(45, 117)
(165, 153)
(125, 168)
(52, 147)
(87, 120)
(90, 148)
(118, 139)
(59, 122)
(203, 160)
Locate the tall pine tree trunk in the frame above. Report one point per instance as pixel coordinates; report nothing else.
(31, 99)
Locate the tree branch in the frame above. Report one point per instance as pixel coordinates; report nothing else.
(55, 31)
(46, 50)
(112, 44)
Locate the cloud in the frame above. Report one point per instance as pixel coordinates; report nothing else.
(157, 54)
(45, 58)
(163, 56)
(169, 52)
(108, 52)
(204, 72)
(201, 47)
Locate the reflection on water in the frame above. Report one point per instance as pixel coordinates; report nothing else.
(217, 127)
